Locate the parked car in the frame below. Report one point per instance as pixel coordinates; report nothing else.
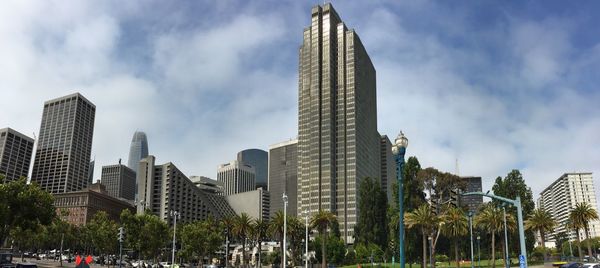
(572, 265)
(591, 265)
(26, 265)
(6, 258)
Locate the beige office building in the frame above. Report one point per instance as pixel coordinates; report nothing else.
(236, 177)
(338, 141)
(562, 196)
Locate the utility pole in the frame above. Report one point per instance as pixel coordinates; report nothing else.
(121, 237)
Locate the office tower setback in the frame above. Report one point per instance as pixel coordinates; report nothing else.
(562, 196)
(338, 141)
(237, 177)
(15, 154)
(472, 202)
(388, 168)
(283, 176)
(258, 159)
(64, 146)
(91, 172)
(164, 188)
(207, 184)
(138, 150)
(119, 181)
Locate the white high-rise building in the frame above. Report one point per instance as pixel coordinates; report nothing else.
(562, 196)
(237, 177)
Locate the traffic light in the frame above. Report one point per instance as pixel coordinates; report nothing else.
(455, 197)
(121, 235)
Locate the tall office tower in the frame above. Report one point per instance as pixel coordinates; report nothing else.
(138, 150)
(237, 177)
(338, 141)
(64, 147)
(15, 154)
(119, 181)
(283, 176)
(258, 159)
(91, 172)
(388, 168)
(164, 188)
(472, 202)
(562, 196)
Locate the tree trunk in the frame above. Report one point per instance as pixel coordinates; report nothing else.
(587, 236)
(579, 246)
(493, 250)
(456, 252)
(424, 262)
(243, 253)
(259, 254)
(543, 244)
(323, 258)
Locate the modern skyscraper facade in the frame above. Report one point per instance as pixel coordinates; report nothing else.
(472, 202)
(237, 177)
(164, 188)
(388, 168)
(64, 146)
(15, 154)
(91, 172)
(258, 159)
(119, 181)
(283, 176)
(338, 140)
(563, 195)
(138, 150)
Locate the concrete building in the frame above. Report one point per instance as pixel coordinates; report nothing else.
(283, 176)
(561, 196)
(164, 188)
(254, 203)
(259, 160)
(473, 202)
(64, 145)
(81, 206)
(237, 177)
(138, 150)
(15, 154)
(119, 181)
(388, 168)
(338, 141)
(207, 184)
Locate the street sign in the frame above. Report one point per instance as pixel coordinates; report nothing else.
(522, 261)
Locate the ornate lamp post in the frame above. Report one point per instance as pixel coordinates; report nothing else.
(285, 203)
(175, 215)
(399, 149)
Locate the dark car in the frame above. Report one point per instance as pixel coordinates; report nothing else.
(26, 265)
(572, 265)
(6, 260)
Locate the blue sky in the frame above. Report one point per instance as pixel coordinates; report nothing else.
(496, 85)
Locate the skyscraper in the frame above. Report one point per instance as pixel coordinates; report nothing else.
(237, 177)
(15, 154)
(561, 196)
(119, 181)
(64, 147)
(472, 202)
(258, 159)
(338, 141)
(283, 176)
(138, 150)
(388, 168)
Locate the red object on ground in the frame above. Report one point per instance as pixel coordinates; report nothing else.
(77, 260)
(88, 259)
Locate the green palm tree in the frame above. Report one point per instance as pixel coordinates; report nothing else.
(581, 216)
(276, 230)
(570, 225)
(242, 226)
(260, 229)
(542, 222)
(321, 221)
(455, 225)
(491, 219)
(227, 224)
(423, 218)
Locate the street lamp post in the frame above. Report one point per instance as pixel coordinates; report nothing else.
(175, 215)
(506, 260)
(471, 236)
(478, 251)
(306, 239)
(399, 149)
(285, 203)
(430, 251)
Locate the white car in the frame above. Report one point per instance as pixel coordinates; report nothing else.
(591, 265)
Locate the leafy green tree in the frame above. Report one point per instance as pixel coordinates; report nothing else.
(455, 226)
(560, 239)
(511, 186)
(133, 227)
(155, 235)
(295, 234)
(541, 221)
(491, 220)
(371, 226)
(581, 216)
(276, 230)
(261, 229)
(200, 239)
(321, 222)
(242, 225)
(423, 219)
(25, 206)
(104, 233)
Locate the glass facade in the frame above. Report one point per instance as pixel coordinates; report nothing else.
(283, 176)
(338, 141)
(258, 159)
(138, 150)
